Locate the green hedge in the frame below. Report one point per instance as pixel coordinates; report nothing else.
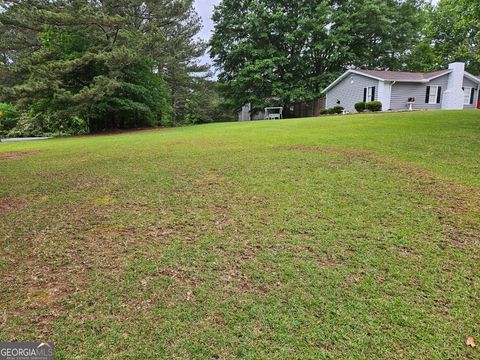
(360, 106)
(331, 111)
(374, 106)
(335, 110)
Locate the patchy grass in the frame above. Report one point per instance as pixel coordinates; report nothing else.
(15, 155)
(338, 237)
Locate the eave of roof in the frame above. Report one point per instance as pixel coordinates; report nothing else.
(472, 77)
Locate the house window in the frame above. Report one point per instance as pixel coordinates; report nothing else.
(369, 94)
(468, 95)
(434, 94)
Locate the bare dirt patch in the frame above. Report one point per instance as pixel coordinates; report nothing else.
(9, 205)
(17, 155)
(60, 259)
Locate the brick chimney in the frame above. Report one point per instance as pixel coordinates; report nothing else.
(453, 96)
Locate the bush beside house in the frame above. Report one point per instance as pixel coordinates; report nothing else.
(338, 109)
(332, 111)
(373, 106)
(360, 107)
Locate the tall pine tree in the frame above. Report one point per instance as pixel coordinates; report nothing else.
(103, 61)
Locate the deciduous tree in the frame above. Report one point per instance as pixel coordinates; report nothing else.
(454, 31)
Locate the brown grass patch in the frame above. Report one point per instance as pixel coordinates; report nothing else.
(50, 271)
(114, 132)
(9, 205)
(17, 155)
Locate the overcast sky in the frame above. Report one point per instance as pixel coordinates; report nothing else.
(205, 10)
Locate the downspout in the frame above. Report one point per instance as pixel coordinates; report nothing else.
(391, 92)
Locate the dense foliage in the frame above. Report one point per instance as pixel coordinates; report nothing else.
(71, 64)
(451, 30)
(454, 31)
(8, 118)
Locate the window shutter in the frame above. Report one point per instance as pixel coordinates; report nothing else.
(365, 94)
(428, 95)
(439, 94)
(472, 96)
(373, 93)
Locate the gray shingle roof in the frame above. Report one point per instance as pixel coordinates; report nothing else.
(419, 77)
(403, 75)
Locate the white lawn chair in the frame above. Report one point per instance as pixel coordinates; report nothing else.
(272, 113)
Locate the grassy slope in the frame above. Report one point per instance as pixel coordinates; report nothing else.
(338, 237)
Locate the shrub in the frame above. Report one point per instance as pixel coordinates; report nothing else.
(360, 106)
(8, 117)
(337, 110)
(331, 111)
(374, 106)
(27, 126)
(30, 124)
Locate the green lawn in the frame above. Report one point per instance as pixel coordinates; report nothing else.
(353, 237)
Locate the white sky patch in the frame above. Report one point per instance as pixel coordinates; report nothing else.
(204, 8)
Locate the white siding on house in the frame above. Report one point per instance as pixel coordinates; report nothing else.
(385, 94)
(349, 91)
(394, 89)
(401, 91)
(471, 84)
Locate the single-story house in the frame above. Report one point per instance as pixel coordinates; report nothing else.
(449, 89)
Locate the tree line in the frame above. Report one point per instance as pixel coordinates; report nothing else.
(282, 52)
(89, 65)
